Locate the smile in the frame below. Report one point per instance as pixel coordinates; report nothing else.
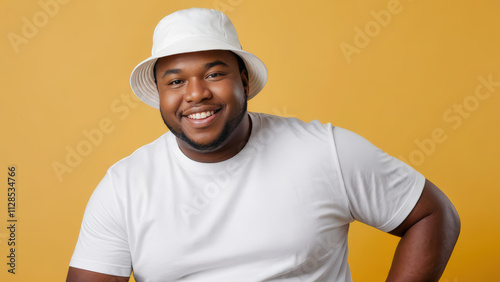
(201, 115)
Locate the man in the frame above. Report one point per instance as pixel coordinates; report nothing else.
(229, 195)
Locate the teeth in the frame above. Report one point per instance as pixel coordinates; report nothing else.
(201, 115)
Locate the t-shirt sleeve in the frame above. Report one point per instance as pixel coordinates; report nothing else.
(381, 189)
(102, 244)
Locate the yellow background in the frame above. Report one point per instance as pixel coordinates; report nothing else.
(72, 74)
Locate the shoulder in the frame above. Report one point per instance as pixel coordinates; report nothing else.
(352, 145)
(358, 156)
(269, 119)
(143, 158)
(292, 125)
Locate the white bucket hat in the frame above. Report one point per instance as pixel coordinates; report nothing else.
(193, 30)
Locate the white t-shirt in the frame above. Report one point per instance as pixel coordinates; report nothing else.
(277, 211)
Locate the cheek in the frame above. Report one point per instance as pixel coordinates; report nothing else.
(232, 92)
(170, 103)
(239, 96)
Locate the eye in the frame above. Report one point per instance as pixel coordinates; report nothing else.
(175, 82)
(215, 75)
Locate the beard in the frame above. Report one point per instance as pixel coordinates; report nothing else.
(229, 127)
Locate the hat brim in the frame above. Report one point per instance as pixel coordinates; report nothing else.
(142, 77)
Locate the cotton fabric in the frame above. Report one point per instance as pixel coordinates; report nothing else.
(277, 211)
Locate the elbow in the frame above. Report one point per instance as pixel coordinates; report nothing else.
(450, 226)
(455, 222)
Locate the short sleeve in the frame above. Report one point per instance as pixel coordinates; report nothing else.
(381, 189)
(102, 244)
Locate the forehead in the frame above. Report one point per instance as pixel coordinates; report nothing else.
(197, 59)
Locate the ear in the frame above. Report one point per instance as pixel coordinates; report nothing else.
(244, 80)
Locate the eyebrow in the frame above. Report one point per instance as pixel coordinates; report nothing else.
(207, 66)
(171, 71)
(215, 63)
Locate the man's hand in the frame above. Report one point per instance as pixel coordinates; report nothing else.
(428, 236)
(80, 275)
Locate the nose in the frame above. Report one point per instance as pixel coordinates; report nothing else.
(197, 91)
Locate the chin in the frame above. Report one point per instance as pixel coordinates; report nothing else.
(203, 145)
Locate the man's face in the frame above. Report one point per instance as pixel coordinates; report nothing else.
(203, 97)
